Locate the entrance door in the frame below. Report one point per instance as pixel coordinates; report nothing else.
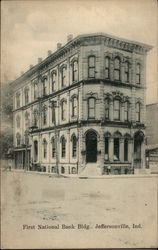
(91, 147)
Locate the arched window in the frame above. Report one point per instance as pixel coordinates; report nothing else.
(126, 75)
(63, 110)
(74, 146)
(53, 81)
(18, 100)
(126, 149)
(35, 150)
(138, 73)
(53, 148)
(35, 90)
(138, 112)
(126, 111)
(18, 121)
(53, 170)
(117, 109)
(75, 71)
(63, 147)
(26, 96)
(62, 170)
(74, 106)
(117, 69)
(18, 138)
(44, 115)
(91, 107)
(116, 149)
(91, 66)
(106, 148)
(63, 76)
(73, 170)
(44, 149)
(35, 117)
(44, 86)
(107, 67)
(107, 108)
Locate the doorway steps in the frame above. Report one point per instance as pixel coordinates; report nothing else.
(91, 169)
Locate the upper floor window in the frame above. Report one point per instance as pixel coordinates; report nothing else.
(35, 117)
(91, 107)
(44, 115)
(74, 146)
(18, 100)
(63, 147)
(44, 148)
(117, 69)
(75, 71)
(63, 76)
(138, 73)
(26, 96)
(18, 121)
(63, 110)
(35, 90)
(18, 138)
(44, 86)
(126, 75)
(74, 106)
(27, 120)
(126, 111)
(116, 109)
(91, 66)
(53, 148)
(138, 112)
(107, 108)
(53, 81)
(107, 67)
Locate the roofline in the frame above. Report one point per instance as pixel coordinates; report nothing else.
(76, 40)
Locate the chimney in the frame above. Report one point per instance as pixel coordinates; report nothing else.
(49, 52)
(31, 66)
(59, 45)
(69, 37)
(39, 59)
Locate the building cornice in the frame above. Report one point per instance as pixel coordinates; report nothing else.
(85, 40)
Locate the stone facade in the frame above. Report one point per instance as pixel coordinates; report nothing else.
(85, 105)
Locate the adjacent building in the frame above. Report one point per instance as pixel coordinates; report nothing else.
(82, 109)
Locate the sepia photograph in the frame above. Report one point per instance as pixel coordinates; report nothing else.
(79, 124)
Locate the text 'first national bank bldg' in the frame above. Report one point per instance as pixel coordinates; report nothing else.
(86, 105)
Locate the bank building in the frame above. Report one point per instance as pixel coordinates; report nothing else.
(81, 110)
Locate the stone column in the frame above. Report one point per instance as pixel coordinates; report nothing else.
(122, 150)
(101, 106)
(111, 149)
(80, 102)
(68, 107)
(101, 148)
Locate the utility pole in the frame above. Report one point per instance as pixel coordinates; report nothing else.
(53, 106)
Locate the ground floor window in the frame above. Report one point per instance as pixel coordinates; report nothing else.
(106, 148)
(62, 170)
(116, 149)
(126, 150)
(73, 170)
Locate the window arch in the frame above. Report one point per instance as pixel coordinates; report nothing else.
(91, 66)
(91, 107)
(138, 105)
(74, 71)
(117, 69)
(138, 73)
(74, 106)
(126, 73)
(53, 147)
(18, 121)
(117, 109)
(44, 149)
(74, 145)
(18, 138)
(63, 147)
(126, 110)
(107, 67)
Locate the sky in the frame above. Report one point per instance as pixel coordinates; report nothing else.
(30, 28)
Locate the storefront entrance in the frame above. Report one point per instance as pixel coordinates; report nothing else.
(91, 147)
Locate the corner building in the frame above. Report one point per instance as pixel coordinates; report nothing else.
(97, 83)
